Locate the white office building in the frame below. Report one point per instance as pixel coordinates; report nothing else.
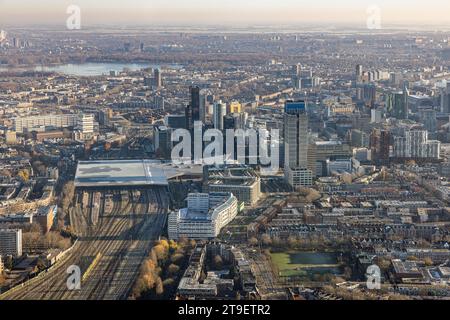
(204, 217)
(11, 242)
(85, 122)
(415, 144)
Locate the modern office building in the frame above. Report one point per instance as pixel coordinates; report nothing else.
(23, 124)
(157, 78)
(11, 242)
(296, 144)
(397, 104)
(84, 122)
(246, 189)
(219, 111)
(192, 111)
(205, 215)
(162, 137)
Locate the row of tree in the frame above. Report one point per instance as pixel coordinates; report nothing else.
(162, 269)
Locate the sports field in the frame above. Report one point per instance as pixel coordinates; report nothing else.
(294, 263)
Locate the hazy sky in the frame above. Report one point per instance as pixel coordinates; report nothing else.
(219, 12)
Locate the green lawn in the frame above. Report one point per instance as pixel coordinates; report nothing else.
(298, 263)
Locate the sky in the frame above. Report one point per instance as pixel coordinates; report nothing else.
(224, 12)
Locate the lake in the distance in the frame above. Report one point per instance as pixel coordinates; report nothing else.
(89, 68)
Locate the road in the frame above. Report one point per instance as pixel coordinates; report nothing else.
(121, 238)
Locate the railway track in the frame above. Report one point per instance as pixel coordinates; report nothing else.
(123, 238)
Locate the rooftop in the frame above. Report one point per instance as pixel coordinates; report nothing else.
(119, 173)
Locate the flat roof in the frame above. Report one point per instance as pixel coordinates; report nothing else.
(119, 173)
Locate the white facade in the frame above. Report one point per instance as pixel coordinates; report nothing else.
(204, 217)
(86, 123)
(11, 242)
(415, 144)
(55, 120)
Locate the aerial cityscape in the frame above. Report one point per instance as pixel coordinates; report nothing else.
(224, 159)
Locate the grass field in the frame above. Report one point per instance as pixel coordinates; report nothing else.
(294, 263)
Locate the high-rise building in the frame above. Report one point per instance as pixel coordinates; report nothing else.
(406, 99)
(296, 69)
(162, 141)
(296, 142)
(376, 116)
(234, 121)
(359, 73)
(157, 82)
(380, 142)
(105, 116)
(370, 94)
(192, 111)
(445, 98)
(219, 111)
(428, 119)
(397, 104)
(415, 144)
(11, 242)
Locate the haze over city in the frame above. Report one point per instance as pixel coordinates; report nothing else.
(231, 12)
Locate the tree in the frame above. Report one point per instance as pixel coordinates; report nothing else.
(67, 195)
(165, 244)
(383, 263)
(218, 262)
(173, 269)
(266, 240)
(138, 288)
(169, 284)
(24, 175)
(9, 263)
(36, 228)
(252, 241)
(161, 252)
(173, 245)
(177, 258)
(159, 287)
(276, 241)
(428, 262)
(292, 241)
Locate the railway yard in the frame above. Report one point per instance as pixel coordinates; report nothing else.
(116, 227)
